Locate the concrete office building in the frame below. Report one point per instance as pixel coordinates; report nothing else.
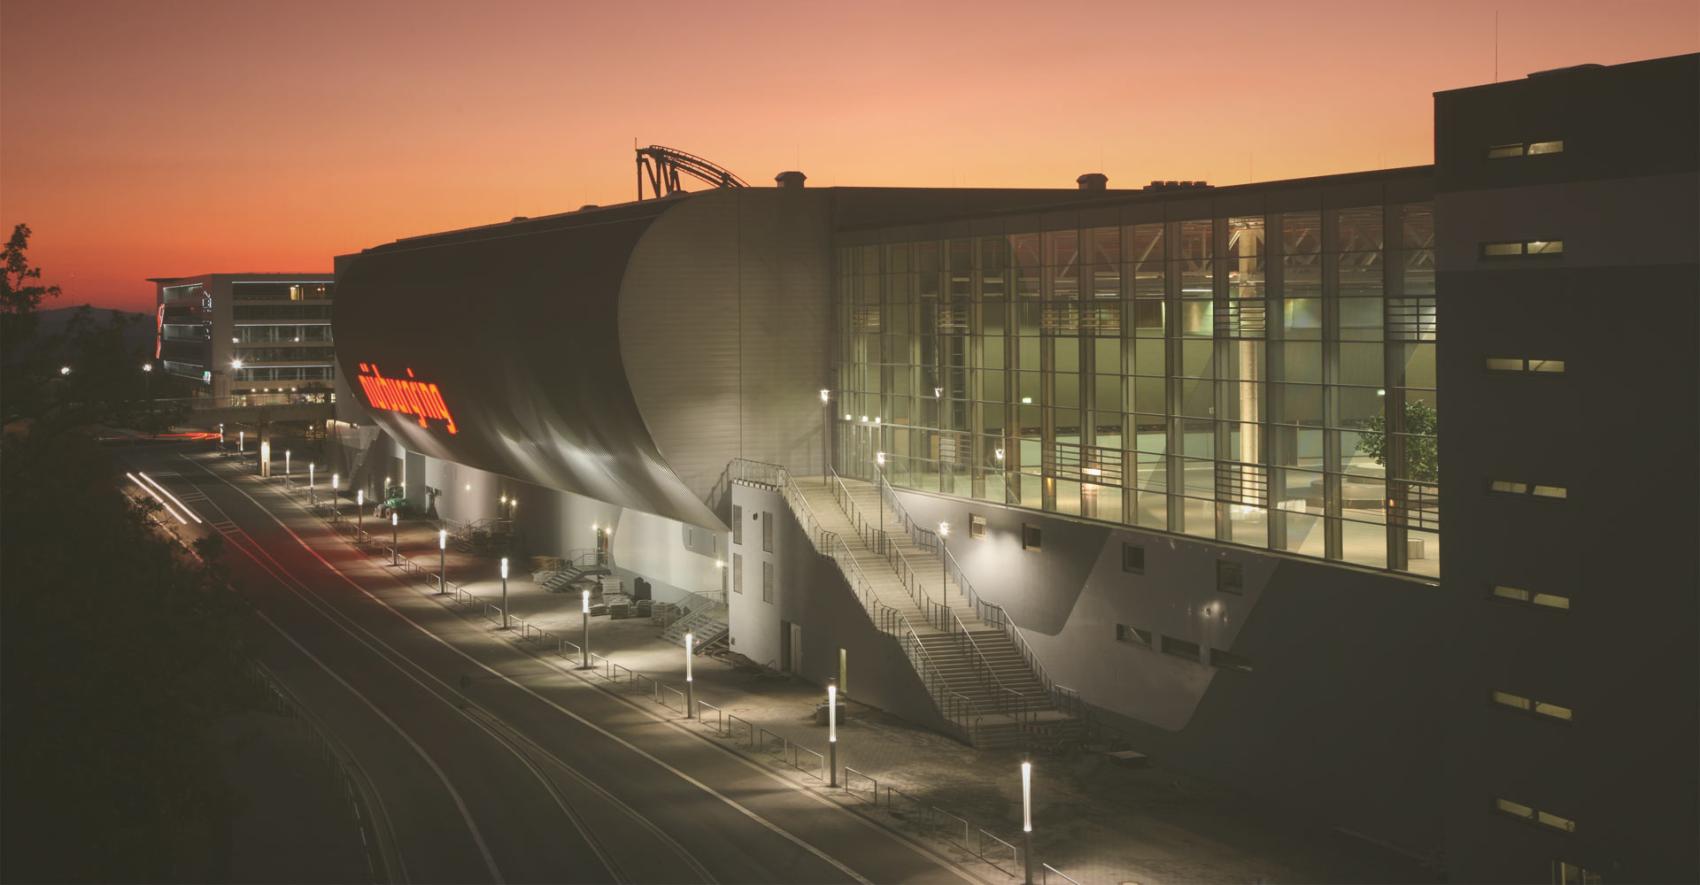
(247, 333)
(1032, 466)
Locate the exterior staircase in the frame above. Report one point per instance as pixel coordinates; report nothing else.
(979, 671)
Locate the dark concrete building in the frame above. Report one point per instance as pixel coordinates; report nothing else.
(1161, 468)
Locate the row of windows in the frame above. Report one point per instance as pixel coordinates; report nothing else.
(1517, 248)
(1527, 813)
(251, 334)
(1539, 708)
(281, 291)
(285, 373)
(1181, 648)
(1513, 487)
(1528, 597)
(281, 312)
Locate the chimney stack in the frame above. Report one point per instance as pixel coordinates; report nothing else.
(1093, 182)
(790, 180)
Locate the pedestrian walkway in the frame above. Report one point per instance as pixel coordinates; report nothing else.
(1095, 819)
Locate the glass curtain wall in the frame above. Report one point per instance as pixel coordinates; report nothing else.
(1263, 380)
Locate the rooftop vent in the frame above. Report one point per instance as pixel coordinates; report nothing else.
(1096, 182)
(588, 206)
(1160, 185)
(790, 180)
(518, 218)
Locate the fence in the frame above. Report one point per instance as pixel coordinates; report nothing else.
(957, 708)
(1046, 871)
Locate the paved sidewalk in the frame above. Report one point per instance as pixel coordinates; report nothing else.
(1094, 819)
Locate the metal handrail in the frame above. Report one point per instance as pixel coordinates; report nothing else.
(907, 574)
(957, 707)
(985, 610)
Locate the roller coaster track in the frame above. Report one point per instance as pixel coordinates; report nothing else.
(661, 167)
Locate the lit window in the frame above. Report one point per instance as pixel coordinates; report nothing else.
(1523, 812)
(1519, 248)
(1515, 809)
(1546, 147)
(1510, 487)
(1540, 708)
(1545, 600)
(1518, 364)
(1566, 873)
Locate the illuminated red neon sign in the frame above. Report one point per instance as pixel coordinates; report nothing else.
(405, 395)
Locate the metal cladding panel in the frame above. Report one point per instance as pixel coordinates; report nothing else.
(515, 325)
(723, 321)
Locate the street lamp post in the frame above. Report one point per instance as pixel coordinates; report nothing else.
(286, 454)
(359, 515)
(395, 539)
(221, 435)
(442, 561)
(1027, 818)
(504, 593)
(584, 653)
(879, 490)
(832, 728)
(825, 433)
(690, 687)
(312, 485)
(241, 442)
(944, 564)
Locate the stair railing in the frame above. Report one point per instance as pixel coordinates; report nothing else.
(988, 612)
(956, 707)
(937, 612)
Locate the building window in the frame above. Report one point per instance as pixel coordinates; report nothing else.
(1133, 635)
(1133, 559)
(737, 573)
(1521, 248)
(1532, 149)
(766, 581)
(1539, 708)
(1030, 537)
(737, 524)
(1511, 487)
(976, 527)
(1519, 364)
(1545, 600)
(1544, 818)
(1229, 661)
(766, 532)
(1181, 648)
(1230, 577)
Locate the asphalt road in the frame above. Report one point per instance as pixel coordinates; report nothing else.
(530, 774)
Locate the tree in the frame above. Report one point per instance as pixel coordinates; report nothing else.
(1422, 460)
(118, 653)
(20, 292)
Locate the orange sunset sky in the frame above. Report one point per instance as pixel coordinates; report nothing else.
(161, 138)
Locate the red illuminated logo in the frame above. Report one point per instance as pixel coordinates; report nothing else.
(159, 332)
(405, 395)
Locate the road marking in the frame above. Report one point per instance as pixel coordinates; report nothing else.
(477, 837)
(727, 800)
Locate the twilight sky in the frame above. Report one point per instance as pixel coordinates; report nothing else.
(147, 138)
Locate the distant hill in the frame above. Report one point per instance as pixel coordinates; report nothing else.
(53, 322)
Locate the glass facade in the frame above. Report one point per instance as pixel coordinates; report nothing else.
(1266, 380)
